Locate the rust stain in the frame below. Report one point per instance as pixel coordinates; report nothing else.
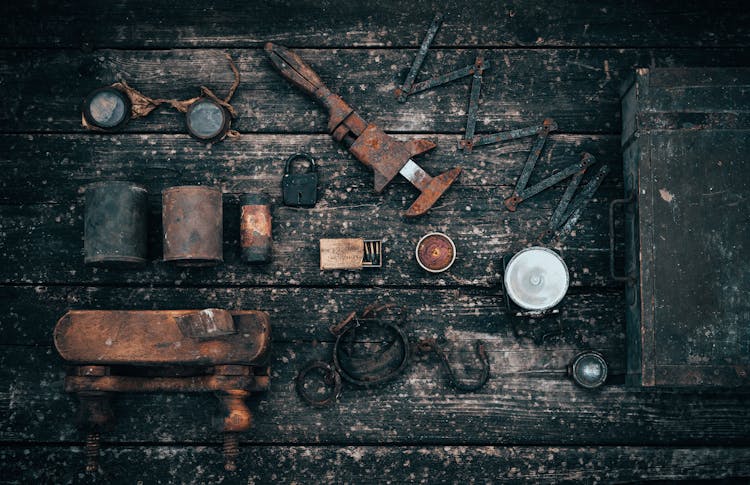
(666, 195)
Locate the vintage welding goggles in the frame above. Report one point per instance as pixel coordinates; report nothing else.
(207, 117)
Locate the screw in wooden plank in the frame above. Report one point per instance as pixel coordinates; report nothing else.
(231, 451)
(92, 451)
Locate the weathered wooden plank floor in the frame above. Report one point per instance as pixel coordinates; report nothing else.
(561, 59)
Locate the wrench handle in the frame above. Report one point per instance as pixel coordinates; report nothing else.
(297, 71)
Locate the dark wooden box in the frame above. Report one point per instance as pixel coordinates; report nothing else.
(686, 156)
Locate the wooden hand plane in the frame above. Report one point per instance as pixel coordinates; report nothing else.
(385, 155)
(164, 351)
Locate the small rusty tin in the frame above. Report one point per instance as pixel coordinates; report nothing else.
(193, 229)
(116, 224)
(435, 252)
(255, 228)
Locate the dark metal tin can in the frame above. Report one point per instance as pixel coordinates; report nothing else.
(115, 224)
(255, 228)
(193, 228)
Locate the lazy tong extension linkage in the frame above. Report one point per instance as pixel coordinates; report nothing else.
(564, 219)
(566, 214)
(409, 87)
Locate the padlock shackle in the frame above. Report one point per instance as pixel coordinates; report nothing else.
(312, 167)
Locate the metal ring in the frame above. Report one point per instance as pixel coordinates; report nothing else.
(226, 121)
(332, 379)
(367, 382)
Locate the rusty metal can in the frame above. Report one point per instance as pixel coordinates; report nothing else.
(193, 228)
(115, 224)
(255, 228)
(435, 252)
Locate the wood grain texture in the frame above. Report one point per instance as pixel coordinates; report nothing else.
(689, 321)
(52, 168)
(577, 87)
(519, 405)
(140, 23)
(380, 464)
(303, 315)
(560, 59)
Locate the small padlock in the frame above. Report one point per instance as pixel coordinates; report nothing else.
(300, 189)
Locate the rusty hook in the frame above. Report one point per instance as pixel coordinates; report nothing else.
(430, 345)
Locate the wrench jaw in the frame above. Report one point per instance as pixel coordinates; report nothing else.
(432, 191)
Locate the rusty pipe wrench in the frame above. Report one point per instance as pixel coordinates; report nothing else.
(386, 156)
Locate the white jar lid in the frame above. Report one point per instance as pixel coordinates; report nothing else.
(536, 278)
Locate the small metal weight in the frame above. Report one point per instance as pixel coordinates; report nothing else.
(588, 369)
(255, 228)
(115, 224)
(193, 228)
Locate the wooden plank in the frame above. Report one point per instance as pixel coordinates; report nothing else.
(515, 407)
(298, 330)
(47, 168)
(133, 23)
(578, 87)
(376, 464)
(43, 238)
(43, 243)
(304, 314)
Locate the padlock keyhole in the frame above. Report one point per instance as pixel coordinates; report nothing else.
(299, 197)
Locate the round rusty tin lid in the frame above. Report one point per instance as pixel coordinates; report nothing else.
(435, 252)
